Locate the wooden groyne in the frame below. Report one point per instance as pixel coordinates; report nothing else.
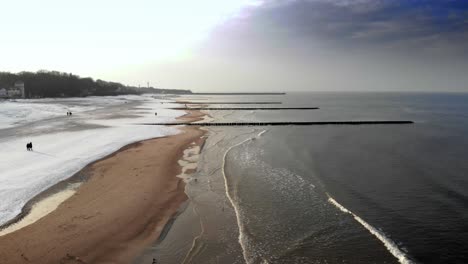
(318, 123)
(238, 94)
(246, 103)
(244, 108)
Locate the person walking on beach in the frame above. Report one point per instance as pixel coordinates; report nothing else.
(29, 146)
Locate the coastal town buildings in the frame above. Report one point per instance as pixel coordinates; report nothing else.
(17, 91)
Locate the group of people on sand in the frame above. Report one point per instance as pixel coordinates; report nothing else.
(69, 113)
(29, 146)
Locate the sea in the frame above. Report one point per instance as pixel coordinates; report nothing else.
(330, 193)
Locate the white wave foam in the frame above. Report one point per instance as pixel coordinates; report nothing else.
(261, 133)
(253, 253)
(242, 239)
(388, 243)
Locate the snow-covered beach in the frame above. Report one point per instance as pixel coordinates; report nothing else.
(63, 145)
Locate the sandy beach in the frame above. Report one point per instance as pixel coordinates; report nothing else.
(120, 209)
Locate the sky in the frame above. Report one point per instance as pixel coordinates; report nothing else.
(244, 45)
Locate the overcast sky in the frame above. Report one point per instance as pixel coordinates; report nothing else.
(250, 45)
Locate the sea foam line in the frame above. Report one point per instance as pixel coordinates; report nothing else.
(261, 133)
(236, 208)
(388, 243)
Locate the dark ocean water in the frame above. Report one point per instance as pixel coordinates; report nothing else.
(333, 194)
(409, 182)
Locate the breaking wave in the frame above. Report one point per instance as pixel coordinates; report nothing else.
(388, 243)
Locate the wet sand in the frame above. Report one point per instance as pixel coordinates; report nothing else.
(123, 206)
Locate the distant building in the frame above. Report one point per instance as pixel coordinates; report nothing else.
(19, 85)
(13, 92)
(3, 93)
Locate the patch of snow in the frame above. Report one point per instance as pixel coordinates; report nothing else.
(57, 156)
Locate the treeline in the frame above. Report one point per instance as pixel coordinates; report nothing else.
(164, 91)
(60, 84)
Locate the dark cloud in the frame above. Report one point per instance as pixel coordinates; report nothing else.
(360, 23)
(342, 45)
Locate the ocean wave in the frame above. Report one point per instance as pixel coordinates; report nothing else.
(242, 240)
(388, 243)
(261, 133)
(259, 246)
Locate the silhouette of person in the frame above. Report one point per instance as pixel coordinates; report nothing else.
(30, 146)
(27, 146)
(155, 113)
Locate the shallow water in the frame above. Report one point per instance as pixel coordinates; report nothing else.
(331, 194)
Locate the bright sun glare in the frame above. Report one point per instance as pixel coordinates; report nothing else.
(60, 34)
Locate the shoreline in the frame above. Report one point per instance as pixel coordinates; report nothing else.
(79, 177)
(71, 242)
